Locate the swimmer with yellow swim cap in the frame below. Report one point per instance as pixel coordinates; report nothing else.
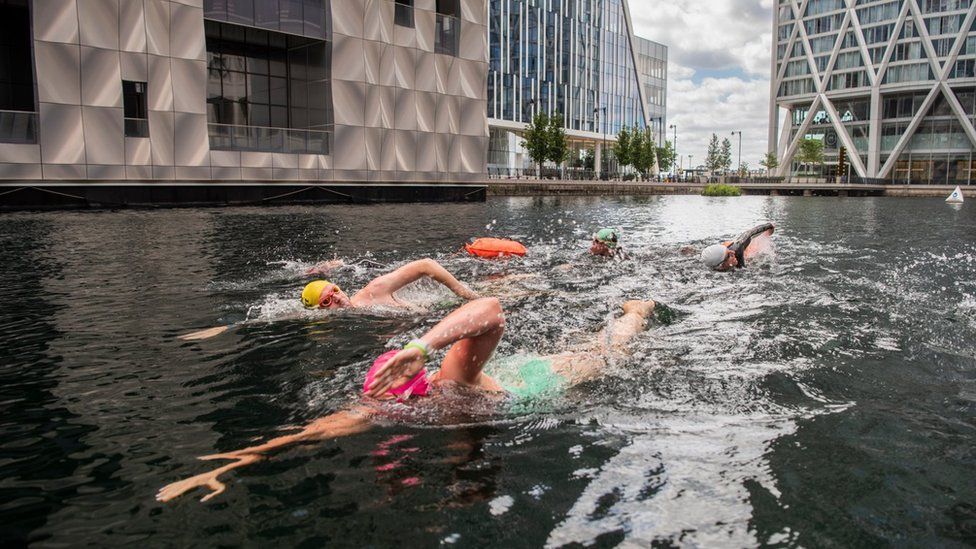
(322, 294)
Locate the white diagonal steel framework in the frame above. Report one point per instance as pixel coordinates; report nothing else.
(902, 36)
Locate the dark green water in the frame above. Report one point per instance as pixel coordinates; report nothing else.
(826, 397)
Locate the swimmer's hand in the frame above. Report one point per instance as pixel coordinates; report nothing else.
(398, 370)
(209, 479)
(325, 267)
(204, 334)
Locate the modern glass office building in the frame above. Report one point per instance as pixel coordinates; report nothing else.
(652, 65)
(243, 90)
(892, 83)
(576, 58)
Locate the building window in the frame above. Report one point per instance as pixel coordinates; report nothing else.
(448, 7)
(302, 17)
(447, 29)
(267, 91)
(134, 103)
(18, 120)
(403, 13)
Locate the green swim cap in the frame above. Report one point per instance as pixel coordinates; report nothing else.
(609, 237)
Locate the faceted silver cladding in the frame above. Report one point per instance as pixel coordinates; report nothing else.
(62, 134)
(104, 141)
(99, 23)
(413, 111)
(56, 21)
(132, 26)
(397, 113)
(58, 73)
(157, 26)
(100, 77)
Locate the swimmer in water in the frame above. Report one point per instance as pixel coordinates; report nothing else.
(470, 334)
(606, 243)
(731, 255)
(322, 294)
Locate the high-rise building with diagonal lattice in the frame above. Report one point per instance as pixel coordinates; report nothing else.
(888, 84)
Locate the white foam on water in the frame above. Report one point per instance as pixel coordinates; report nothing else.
(500, 505)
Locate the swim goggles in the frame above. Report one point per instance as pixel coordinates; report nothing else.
(328, 296)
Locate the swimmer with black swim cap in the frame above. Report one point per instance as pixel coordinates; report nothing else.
(732, 255)
(606, 243)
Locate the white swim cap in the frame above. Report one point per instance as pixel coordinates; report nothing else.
(714, 255)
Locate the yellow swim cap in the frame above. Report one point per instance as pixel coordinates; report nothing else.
(312, 292)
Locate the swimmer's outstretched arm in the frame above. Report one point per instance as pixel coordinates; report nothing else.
(415, 270)
(473, 331)
(337, 425)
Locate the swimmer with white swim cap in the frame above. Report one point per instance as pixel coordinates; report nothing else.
(732, 255)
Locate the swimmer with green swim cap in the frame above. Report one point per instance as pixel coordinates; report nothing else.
(469, 335)
(606, 243)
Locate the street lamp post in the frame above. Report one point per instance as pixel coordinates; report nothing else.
(596, 113)
(739, 165)
(675, 143)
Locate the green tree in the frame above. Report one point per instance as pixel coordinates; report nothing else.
(744, 169)
(665, 157)
(623, 148)
(557, 146)
(643, 151)
(713, 158)
(810, 152)
(769, 162)
(536, 142)
(726, 155)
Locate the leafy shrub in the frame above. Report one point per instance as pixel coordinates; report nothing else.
(630, 177)
(721, 189)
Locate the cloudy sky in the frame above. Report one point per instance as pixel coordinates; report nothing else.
(718, 71)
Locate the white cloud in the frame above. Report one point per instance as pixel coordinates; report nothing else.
(728, 38)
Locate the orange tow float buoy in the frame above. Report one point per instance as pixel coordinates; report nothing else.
(490, 248)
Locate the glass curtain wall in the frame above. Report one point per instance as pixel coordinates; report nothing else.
(267, 91)
(302, 17)
(569, 57)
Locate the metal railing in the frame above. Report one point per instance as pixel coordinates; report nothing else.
(229, 137)
(136, 127)
(18, 127)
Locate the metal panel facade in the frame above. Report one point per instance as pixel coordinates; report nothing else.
(394, 106)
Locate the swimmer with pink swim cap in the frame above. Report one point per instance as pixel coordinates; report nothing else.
(415, 386)
(470, 334)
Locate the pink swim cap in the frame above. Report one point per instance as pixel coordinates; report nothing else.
(416, 386)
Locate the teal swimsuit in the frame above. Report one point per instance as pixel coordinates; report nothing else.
(528, 377)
